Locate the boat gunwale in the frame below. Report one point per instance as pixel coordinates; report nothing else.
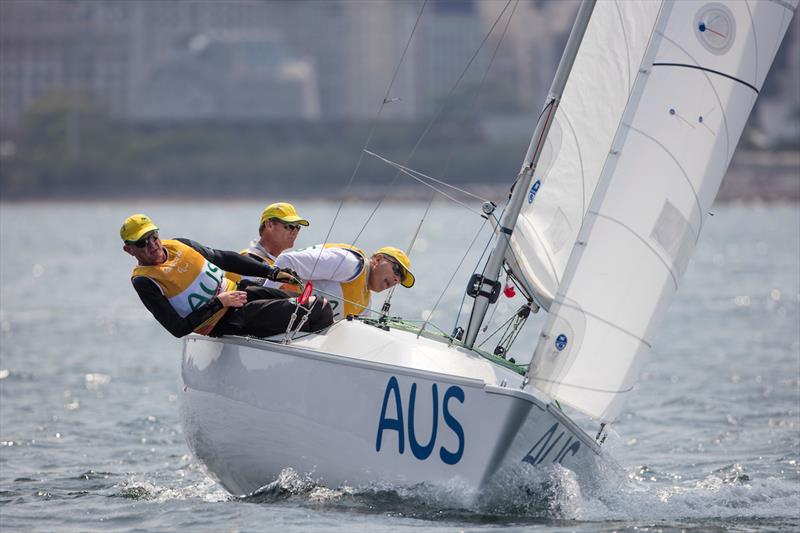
(290, 349)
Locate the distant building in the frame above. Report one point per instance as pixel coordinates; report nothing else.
(232, 74)
(71, 47)
(300, 59)
(129, 57)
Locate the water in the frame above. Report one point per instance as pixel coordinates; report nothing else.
(89, 434)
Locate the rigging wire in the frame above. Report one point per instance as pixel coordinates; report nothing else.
(492, 334)
(415, 174)
(447, 286)
(387, 303)
(385, 100)
(434, 119)
(424, 133)
(480, 259)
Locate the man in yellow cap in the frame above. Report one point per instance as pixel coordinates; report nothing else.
(280, 224)
(346, 275)
(183, 284)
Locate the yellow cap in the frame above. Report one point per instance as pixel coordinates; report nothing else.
(400, 256)
(284, 212)
(135, 227)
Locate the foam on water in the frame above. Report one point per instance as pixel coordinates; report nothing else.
(555, 493)
(140, 488)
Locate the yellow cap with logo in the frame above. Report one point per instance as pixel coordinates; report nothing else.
(284, 212)
(400, 256)
(135, 227)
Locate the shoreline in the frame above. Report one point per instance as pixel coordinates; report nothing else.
(736, 191)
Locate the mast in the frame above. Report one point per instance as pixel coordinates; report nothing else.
(485, 288)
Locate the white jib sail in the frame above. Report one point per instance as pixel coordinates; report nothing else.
(577, 145)
(699, 80)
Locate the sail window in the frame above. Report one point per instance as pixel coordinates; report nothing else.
(674, 235)
(559, 231)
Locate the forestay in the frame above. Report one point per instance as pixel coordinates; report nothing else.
(690, 101)
(576, 147)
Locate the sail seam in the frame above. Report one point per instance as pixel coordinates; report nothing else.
(546, 253)
(784, 4)
(631, 230)
(716, 95)
(685, 175)
(706, 69)
(627, 46)
(580, 156)
(603, 320)
(755, 38)
(584, 387)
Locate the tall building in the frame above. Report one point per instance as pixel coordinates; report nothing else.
(152, 59)
(74, 48)
(300, 59)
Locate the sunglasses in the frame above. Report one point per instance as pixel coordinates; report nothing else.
(398, 269)
(144, 241)
(289, 227)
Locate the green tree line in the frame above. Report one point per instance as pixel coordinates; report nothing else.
(68, 149)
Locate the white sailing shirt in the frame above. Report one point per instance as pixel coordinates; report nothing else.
(328, 268)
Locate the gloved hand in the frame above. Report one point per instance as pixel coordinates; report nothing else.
(285, 275)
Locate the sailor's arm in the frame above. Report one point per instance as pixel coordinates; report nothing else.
(232, 261)
(162, 310)
(335, 264)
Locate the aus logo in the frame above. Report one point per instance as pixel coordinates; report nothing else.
(197, 300)
(534, 190)
(547, 444)
(561, 342)
(402, 425)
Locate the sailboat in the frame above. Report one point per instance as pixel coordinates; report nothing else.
(641, 121)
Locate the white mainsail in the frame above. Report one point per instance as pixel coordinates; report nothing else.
(578, 143)
(696, 85)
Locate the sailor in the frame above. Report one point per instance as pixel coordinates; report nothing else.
(183, 284)
(280, 224)
(346, 275)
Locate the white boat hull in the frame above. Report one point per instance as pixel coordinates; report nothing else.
(251, 408)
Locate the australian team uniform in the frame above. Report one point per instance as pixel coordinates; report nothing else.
(181, 294)
(260, 254)
(339, 273)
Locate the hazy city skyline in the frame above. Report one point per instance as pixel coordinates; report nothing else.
(91, 78)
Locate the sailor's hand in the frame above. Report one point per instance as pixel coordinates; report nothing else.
(232, 298)
(286, 275)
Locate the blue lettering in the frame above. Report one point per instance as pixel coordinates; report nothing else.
(395, 424)
(216, 283)
(534, 190)
(212, 291)
(446, 456)
(197, 300)
(574, 449)
(544, 440)
(422, 452)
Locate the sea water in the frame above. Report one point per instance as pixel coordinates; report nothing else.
(89, 432)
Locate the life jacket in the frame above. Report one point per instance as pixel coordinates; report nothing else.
(255, 251)
(188, 281)
(355, 295)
